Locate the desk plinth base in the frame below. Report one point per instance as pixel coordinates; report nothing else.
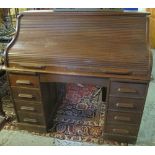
(120, 138)
(32, 128)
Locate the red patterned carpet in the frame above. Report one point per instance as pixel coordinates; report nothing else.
(80, 116)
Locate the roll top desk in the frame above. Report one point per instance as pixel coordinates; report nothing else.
(107, 49)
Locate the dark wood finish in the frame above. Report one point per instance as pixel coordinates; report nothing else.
(120, 138)
(123, 117)
(28, 117)
(102, 82)
(126, 104)
(29, 107)
(24, 80)
(108, 49)
(122, 89)
(25, 65)
(131, 130)
(26, 94)
(76, 37)
(32, 127)
(49, 99)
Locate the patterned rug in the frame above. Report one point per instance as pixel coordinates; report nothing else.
(80, 116)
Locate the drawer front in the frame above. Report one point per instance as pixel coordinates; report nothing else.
(123, 117)
(123, 89)
(126, 104)
(27, 117)
(29, 107)
(126, 130)
(29, 81)
(26, 94)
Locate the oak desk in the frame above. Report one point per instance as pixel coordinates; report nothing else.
(107, 49)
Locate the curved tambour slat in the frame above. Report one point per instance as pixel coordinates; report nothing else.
(84, 39)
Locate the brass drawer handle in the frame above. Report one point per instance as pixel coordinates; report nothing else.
(32, 120)
(121, 131)
(125, 105)
(32, 66)
(27, 108)
(29, 96)
(122, 118)
(126, 90)
(26, 82)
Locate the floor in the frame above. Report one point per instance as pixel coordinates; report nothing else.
(146, 133)
(16, 138)
(147, 129)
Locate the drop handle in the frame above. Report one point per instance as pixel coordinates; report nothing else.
(25, 82)
(32, 120)
(125, 105)
(122, 118)
(120, 131)
(29, 96)
(27, 108)
(126, 90)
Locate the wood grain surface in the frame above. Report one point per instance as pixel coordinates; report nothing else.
(98, 42)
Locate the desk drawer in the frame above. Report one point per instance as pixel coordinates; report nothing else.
(30, 81)
(123, 117)
(123, 89)
(126, 130)
(126, 104)
(29, 107)
(26, 94)
(31, 118)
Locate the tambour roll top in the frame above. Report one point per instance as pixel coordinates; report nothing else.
(101, 44)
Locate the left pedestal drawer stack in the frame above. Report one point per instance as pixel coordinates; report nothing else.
(26, 94)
